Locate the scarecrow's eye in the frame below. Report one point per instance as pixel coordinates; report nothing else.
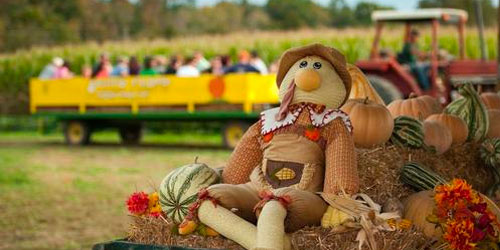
(317, 65)
(303, 64)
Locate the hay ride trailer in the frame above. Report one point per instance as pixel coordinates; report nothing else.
(393, 80)
(85, 105)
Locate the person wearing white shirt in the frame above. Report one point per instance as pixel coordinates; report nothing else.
(258, 63)
(189, 69)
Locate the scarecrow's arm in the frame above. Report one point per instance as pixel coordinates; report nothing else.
(245, 157)
(340, 158)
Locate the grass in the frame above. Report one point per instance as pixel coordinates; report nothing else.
(58, 197)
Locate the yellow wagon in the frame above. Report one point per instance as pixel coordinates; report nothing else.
(85, 105)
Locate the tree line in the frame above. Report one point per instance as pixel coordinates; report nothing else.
(26, 23)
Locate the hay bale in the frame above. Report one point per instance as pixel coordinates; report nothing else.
(379, 169)
(155, 231)
(321, 238)
(158, 231)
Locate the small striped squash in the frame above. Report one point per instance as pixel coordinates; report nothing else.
(180, 188)
(472, 110)
(408, 132)
(419, 177)
(490, 152)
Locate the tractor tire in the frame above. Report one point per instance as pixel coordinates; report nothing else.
(131, 135)
(232, 133)
(385, 88)
(77, 133)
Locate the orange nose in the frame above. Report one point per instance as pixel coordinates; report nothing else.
(307, 80)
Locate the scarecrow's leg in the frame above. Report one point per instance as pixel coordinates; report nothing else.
(231, 226)
(271, 229)
(303, 209)
(228, 224)
(231, 216)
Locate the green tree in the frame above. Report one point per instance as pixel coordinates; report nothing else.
(340, 13)
(363, 12)
(489, 11)
(292, 14)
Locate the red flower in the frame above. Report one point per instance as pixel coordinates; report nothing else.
(480, 208)
(491, 231)
(478, 235)
(155, 214)
(138, 203)
(483, 221)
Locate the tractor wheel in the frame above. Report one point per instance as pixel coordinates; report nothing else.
(131, 135)
(77, 133)
(232, 133)
(385, 88)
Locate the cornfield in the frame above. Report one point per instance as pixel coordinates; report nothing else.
(16, 69)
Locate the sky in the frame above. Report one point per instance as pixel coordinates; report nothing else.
(398, 4)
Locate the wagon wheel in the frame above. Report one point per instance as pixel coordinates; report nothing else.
(385, 88)
(232, 133)
(131, 135)
(77, 133)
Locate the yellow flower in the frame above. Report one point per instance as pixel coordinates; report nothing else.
(153, 199)
(155, 209)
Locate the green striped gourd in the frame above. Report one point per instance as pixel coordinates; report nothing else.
(490, 153)
(472, 110)
(180, 188)
(407, 132)
(419, 177)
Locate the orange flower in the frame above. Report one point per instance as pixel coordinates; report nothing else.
(450, 195)
(268, 137)
(312, 134)
(153, 199)
(464, 215)
(459, 234)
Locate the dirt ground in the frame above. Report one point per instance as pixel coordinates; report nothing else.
(57, 197)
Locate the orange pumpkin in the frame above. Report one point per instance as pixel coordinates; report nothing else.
(491, 100)
(361, 87)
(416, 209)
(432, 103)
(415, 107)
(455, 124)
(494, 129)
(437, 135)
(372, 122)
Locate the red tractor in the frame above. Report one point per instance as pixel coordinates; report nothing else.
(394, 80)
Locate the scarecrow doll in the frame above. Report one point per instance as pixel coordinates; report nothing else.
(271, 181)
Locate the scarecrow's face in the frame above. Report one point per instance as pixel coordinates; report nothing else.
(317, 82)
